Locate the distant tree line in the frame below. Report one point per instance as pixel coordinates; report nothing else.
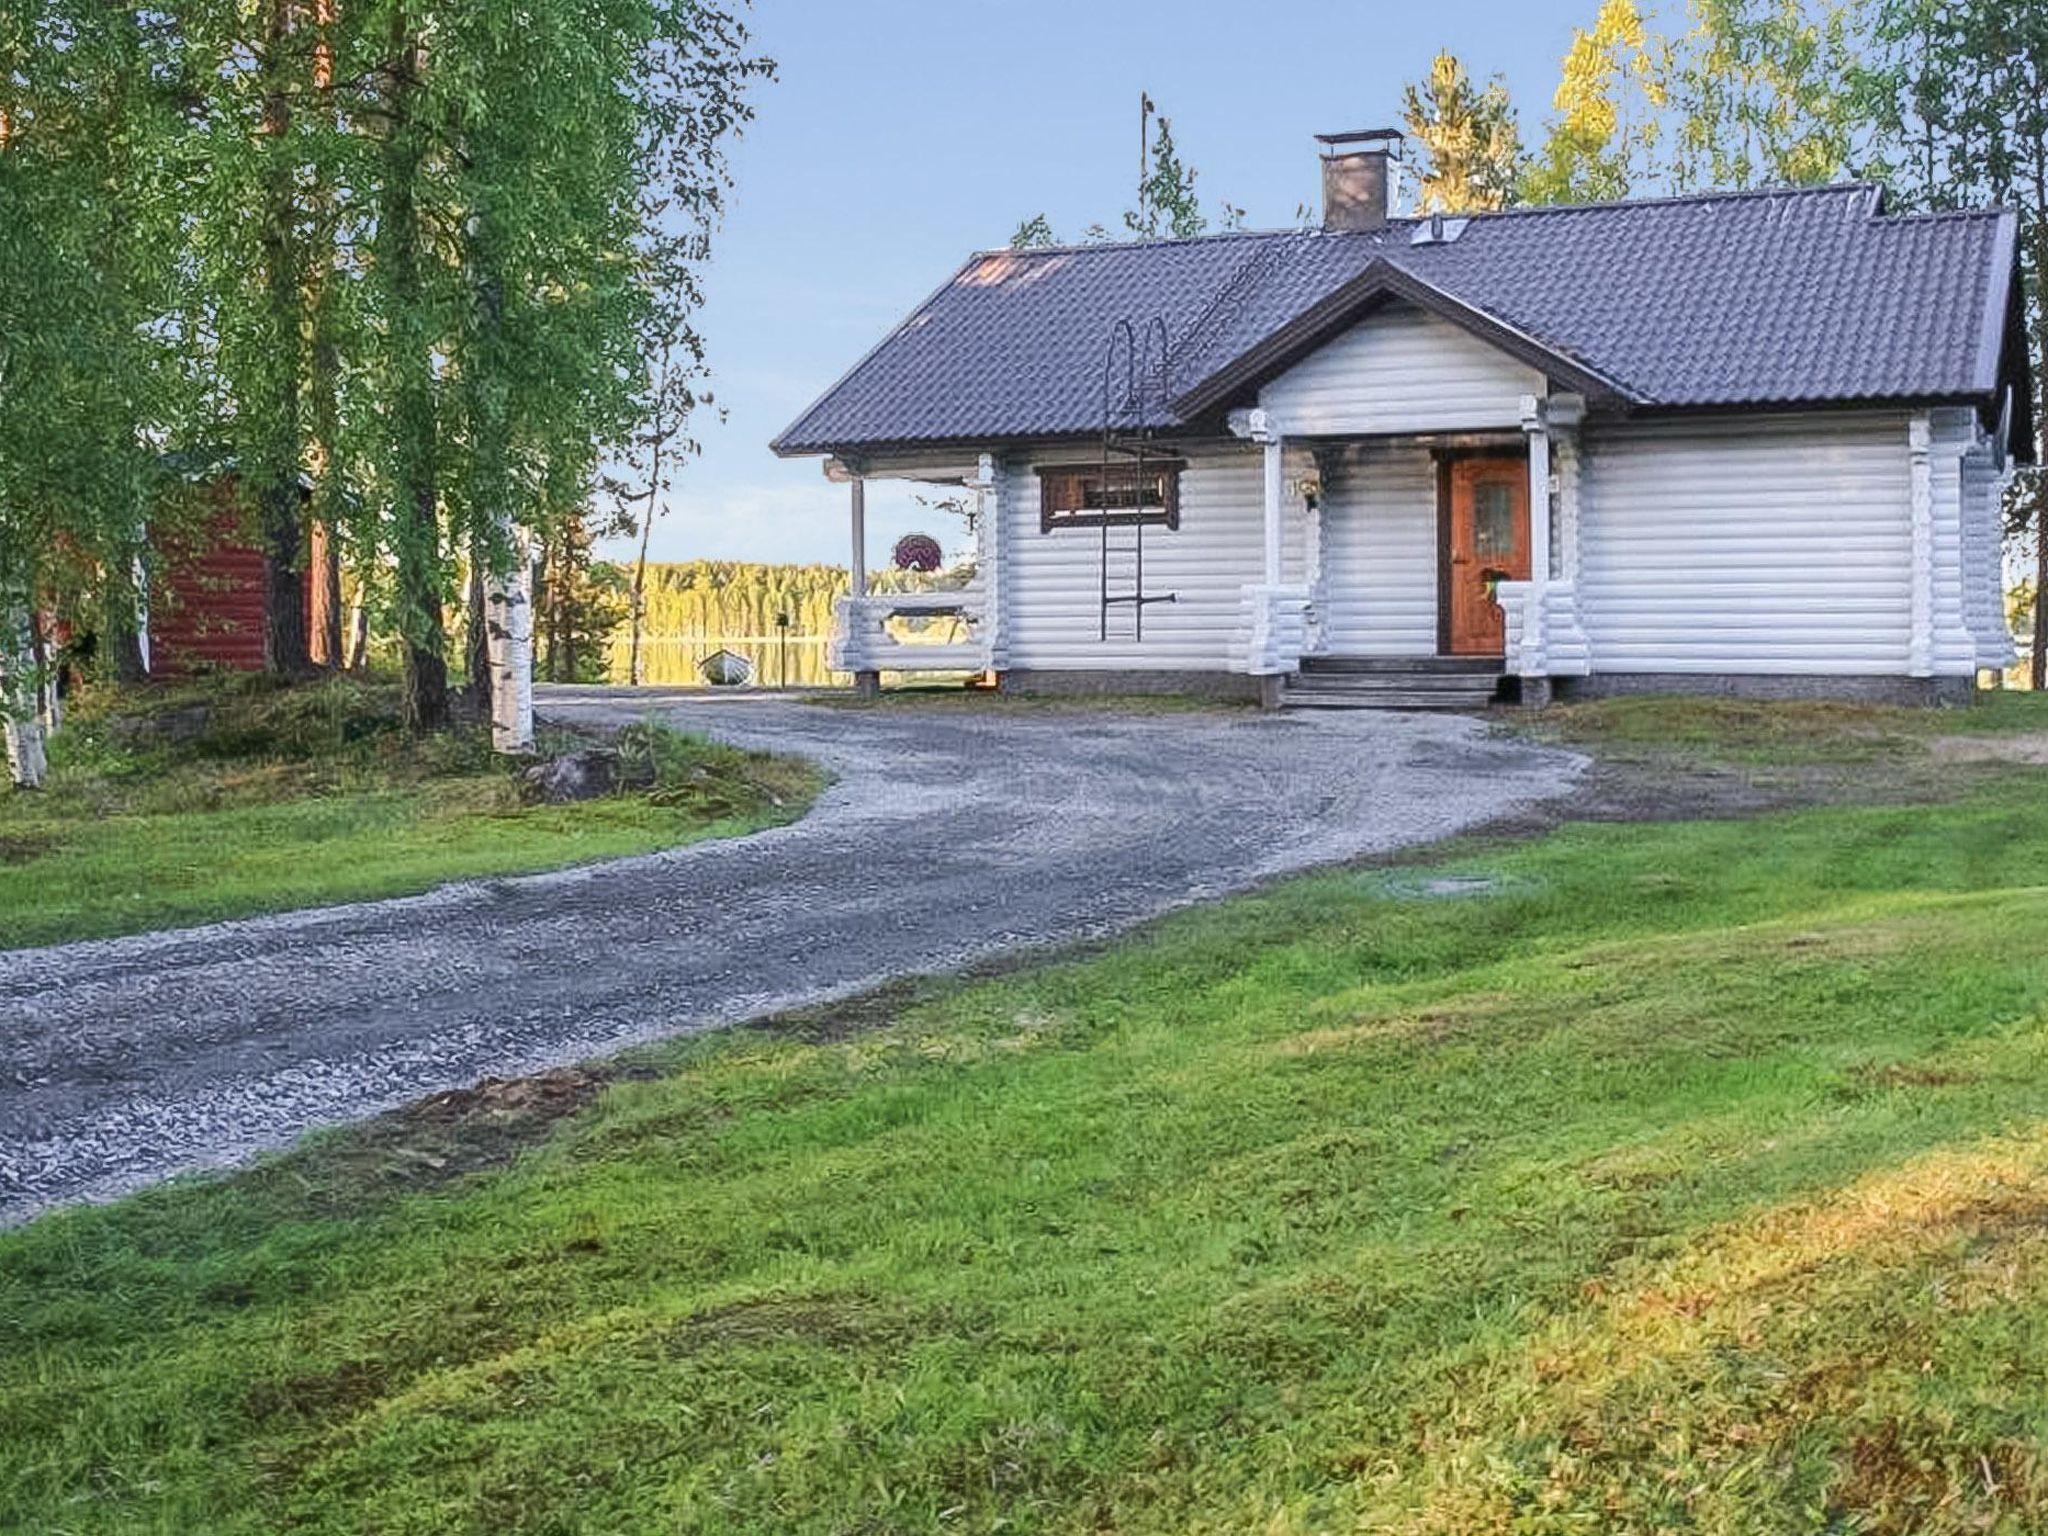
(738, 604)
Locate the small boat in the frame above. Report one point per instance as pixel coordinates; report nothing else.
(726, 669)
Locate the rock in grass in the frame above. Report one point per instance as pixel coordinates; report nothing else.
(586, 774)
(175, 727)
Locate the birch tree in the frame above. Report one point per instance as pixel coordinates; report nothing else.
(1603, 138)
(650, 471)
(90, 385)
(1763, 93)
(418, 252)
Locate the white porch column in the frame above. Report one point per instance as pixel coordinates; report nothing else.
(854, 617)
(1566, 650)
(1275, 613)
(1276, 502)
(1314, 540)
(1529, 660)
(1920, 443)
(860, 536)
(989, 547)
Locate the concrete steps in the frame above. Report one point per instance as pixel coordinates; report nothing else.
(1376, 682)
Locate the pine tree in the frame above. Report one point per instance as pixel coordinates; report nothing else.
(1167, 204)
(1033, 233)
(1469, 135)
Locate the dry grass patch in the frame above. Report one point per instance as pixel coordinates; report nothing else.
(1779, 1369)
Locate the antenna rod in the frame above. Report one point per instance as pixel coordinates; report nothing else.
(1145, 111)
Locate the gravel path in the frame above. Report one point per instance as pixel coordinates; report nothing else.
(951, 834)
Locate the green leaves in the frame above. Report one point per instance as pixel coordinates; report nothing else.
(1469, 134)
(413, 253)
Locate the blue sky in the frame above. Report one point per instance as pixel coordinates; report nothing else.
(903, 134)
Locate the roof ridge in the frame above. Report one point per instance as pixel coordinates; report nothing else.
(1931, 215)
(1157, 242)
(1863, 185)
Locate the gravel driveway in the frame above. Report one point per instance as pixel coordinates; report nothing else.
(952, 833)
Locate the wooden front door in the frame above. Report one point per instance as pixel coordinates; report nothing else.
(1486, 540)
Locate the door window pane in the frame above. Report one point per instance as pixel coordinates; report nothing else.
(1493, 520)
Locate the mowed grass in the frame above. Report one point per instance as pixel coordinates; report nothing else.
(222, 799)
(1674, 1178)
(1766, 732)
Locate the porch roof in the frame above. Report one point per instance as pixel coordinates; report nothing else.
(1776, 298)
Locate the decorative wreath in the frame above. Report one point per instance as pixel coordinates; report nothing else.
(918, 552)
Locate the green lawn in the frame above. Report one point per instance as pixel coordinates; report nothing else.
(227, 798)
(1672, 1178)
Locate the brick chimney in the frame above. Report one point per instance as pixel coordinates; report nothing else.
(1357, 172)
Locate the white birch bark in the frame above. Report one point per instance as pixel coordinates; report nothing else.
(508, 624)
(21, 698)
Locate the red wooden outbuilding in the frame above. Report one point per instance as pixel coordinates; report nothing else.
(209, 600)
(208, 604)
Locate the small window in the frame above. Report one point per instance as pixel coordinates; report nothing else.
(1084, 496)
(1493, 520)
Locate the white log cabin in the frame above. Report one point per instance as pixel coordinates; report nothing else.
(1750, 442)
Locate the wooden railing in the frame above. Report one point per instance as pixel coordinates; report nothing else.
(1275, 622)
(910, 632)
(1561, 649)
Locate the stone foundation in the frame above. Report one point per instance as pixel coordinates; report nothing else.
(1862, 689)
(1232, 686)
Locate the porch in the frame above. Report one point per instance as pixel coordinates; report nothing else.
(1413, 592)
(1318, 568)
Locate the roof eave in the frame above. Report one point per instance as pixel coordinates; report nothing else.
(1382, 279)
(1997, 300)
(980, 442)
(780, 446)
(2003, 361)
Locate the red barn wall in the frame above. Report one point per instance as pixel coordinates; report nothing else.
(207, 605)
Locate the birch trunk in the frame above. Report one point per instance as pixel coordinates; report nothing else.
(21, 703)
(49, 695)
(356, 649)
(509, 615)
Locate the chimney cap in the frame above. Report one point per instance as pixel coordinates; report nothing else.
(1344, 142)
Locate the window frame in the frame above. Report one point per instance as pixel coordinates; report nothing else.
(1053, 477)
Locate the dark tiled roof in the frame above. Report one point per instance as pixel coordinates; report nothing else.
(1777, 297)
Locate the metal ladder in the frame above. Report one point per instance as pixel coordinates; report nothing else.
(1131, 456)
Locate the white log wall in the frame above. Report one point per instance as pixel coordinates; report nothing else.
(1772, 544)
(1052, 581)
(1378, 592)
(1777, 544)
(1402, 370)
